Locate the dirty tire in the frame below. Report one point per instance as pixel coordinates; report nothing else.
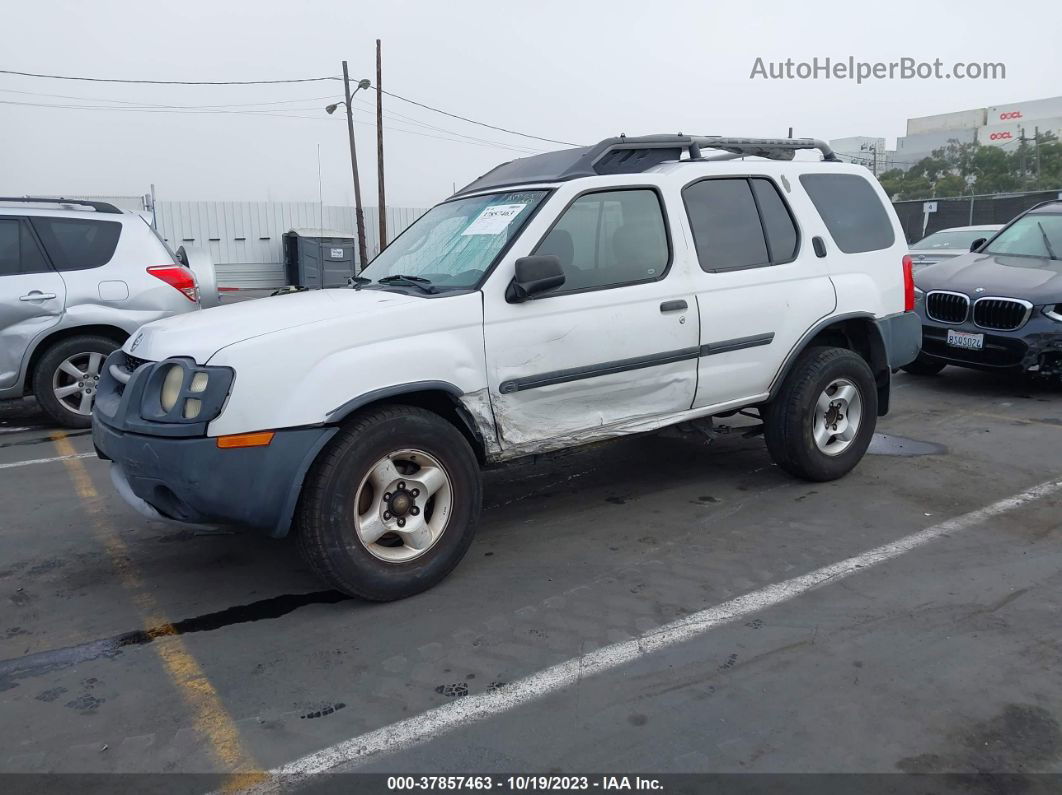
(324, 520)
(923, 365)
(788, 419)
(46, 366)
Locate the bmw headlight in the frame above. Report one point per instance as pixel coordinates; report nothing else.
(181, 391)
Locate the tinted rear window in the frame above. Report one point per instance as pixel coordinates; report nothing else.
(852, 211)
(777, 222)
(76, 244)
(726, 226)
(19, 252)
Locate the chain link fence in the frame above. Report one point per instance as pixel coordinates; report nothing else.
(996, 208)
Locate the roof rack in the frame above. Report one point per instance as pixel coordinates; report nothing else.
(632, 155)
(100, 207)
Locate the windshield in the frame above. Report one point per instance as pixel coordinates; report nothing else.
(960, 239)
(453, 244)
(1035, 235)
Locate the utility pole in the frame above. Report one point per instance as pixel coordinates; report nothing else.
(379, 149)
(1021, 148)
(1036, 150)
(873, 149)
(359, 213)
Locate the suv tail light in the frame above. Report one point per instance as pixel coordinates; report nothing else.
(179, 278)
(908, 284)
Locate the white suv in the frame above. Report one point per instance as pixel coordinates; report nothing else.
(559, 299)
(76, 278)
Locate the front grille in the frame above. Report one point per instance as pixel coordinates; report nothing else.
(128, 365)
(1001, 314)
(947, 307)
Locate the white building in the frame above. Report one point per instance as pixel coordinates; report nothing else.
(997, 125)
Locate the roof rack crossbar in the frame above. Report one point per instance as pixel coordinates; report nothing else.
(100, 207)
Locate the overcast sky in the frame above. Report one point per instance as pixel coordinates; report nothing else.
(575, 71)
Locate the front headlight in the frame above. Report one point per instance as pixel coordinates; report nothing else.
(920, 296)
(171, 387)
(180, 391)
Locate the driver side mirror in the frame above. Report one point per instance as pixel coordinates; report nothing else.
(534, 275)
(978, 243)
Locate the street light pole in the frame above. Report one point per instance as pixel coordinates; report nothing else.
(380, 149)
(359, 213)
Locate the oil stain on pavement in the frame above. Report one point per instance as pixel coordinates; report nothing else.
(44, 662)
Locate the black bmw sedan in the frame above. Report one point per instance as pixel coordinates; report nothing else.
(998, 307)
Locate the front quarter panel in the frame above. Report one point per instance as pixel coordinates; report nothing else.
(302, 375)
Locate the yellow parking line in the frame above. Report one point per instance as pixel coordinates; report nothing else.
(211, 718)
(1014, 419)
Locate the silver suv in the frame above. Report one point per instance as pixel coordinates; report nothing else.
(76, 279)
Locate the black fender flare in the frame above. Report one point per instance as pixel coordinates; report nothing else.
(877, 354)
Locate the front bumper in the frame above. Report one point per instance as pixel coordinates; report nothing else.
(1035, 347)
(192, 480)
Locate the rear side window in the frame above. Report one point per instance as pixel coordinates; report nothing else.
(739, 223)
(777, 222)
(76, 244)
(851, 210)
(726, 226)
(19, 252)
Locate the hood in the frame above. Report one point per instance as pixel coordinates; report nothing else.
(202, 334)
(1035, 279)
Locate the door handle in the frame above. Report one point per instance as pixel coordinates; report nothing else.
(674, 306)
(37, 296)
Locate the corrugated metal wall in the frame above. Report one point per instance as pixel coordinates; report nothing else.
(244, 238)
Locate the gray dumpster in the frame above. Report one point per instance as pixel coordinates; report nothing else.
(317, 258)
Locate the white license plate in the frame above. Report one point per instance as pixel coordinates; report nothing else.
(964, 339)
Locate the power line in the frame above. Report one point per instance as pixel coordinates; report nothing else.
(155, 105)
(473, 121)
(460, 137)
(399, 97)
(171, 82)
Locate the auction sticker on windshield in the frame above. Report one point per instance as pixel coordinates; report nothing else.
(964, 339)
(494, 220)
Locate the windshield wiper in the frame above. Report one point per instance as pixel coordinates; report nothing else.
(357, 282)
(413, 281)
(1047, 241)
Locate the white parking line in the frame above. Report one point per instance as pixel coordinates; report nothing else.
(46, 460)
(431, 724)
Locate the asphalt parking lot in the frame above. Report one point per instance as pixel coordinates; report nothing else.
(135, 646)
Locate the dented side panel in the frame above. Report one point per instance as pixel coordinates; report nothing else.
(566, 368)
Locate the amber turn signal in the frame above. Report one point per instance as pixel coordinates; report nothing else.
(256, 439)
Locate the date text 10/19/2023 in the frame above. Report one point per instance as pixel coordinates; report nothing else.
(523, 783)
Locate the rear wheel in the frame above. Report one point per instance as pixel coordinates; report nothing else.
(390, 507)
(67, 376)
(821, 422)
(923, 365)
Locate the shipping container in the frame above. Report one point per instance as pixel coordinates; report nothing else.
(1030, 110)
(958, 120)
